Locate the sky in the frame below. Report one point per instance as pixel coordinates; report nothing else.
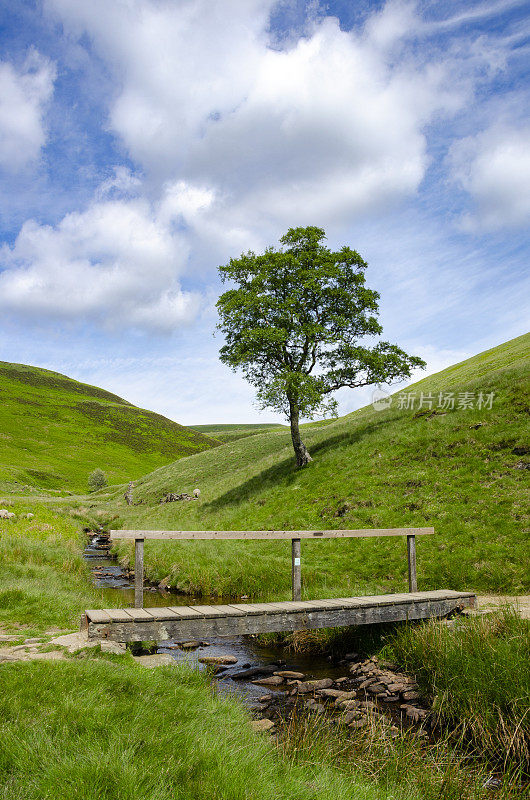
(143, 143)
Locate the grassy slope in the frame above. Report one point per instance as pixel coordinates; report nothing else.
(54, 431)
(230, 433)
(371, 469)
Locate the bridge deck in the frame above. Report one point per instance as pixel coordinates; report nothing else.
(201, 621)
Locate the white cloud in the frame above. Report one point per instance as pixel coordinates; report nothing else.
(23, 98)
(331, 126)
(494, 167)
(116, 262)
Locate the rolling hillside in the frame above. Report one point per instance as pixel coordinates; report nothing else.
(230, 433)
(462, 470)
(54, 431)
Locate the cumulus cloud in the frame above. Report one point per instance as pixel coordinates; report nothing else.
(116, 262)
(328, 126)
(23, 97)
(494, 168)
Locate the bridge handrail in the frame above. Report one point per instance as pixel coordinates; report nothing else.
(139, 536)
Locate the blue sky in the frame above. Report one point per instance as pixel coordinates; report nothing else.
(145, 142)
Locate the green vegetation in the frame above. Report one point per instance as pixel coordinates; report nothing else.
(44, 582)
(96, 730)
(293, 326)
(478, 673)
(230, 433)
(54, 431)
(464, 472)
(97, 480)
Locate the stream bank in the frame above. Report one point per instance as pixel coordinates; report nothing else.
(272, 682)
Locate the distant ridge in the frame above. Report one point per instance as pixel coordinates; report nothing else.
(54, 431)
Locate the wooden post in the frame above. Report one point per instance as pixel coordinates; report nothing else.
(411, 555)
(138, 573)
(296, 573)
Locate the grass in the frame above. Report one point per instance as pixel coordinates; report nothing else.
(55, 431)
(44, 581)
(464, 472)
(478, 674)
(92, 729)
(231, 433)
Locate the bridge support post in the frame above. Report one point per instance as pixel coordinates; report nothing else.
(296, 573)
(138, 573)
(411, 555)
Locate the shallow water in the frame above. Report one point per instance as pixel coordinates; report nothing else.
(117, 591)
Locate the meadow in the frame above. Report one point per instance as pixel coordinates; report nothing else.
(462, 471)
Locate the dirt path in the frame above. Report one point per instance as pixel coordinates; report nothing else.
(488, 602)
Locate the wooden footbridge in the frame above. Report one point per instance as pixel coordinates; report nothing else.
(202, 621)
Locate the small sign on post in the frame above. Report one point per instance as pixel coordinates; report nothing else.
(139, 573)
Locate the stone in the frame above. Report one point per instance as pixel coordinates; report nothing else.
(333, 693)
(5, 514)
(260, 725)
(348, 705)
(75, 641)
(112, 647)
(164, 583)
(252, 671)
(196, 493)
(274, 680)
(416, 714)
(32, 641)
(287, 673)
(345, 696)
(351, 656)
(349, 716)
(341, 680)
(411, 695)
(376, 688)
(265, 698)
(358, 723)
(218, 660)
(191, 645)
(311, 686)
(367, 683)
(390, 698)
(366, 704)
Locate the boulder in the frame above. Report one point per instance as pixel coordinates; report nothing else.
(311, 686)
(262, 725)
(287, 673)
(274, 680)
(218, 660)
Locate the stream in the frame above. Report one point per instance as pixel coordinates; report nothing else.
(117, 591)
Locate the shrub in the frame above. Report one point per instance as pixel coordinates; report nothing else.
(97, 480)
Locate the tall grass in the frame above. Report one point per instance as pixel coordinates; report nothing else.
(92, 730)
(44, 581)
(478, 675)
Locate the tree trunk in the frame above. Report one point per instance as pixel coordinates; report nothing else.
(300, 450)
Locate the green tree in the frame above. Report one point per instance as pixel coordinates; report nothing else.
(292, 325)
(97, 480)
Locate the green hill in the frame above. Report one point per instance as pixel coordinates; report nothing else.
(229, 433)
(54, 431)
(463, 471)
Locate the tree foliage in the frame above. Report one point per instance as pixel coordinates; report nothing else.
(293, 325)
(97, 480)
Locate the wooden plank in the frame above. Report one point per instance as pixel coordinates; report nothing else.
(118, 615)
(296, 569)
(138, 573)
(412, 608)
(161, 613)
(185, 612)
(139, 614)
(411, 558)
(218, 611)
(97, 616)
(227, 535)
